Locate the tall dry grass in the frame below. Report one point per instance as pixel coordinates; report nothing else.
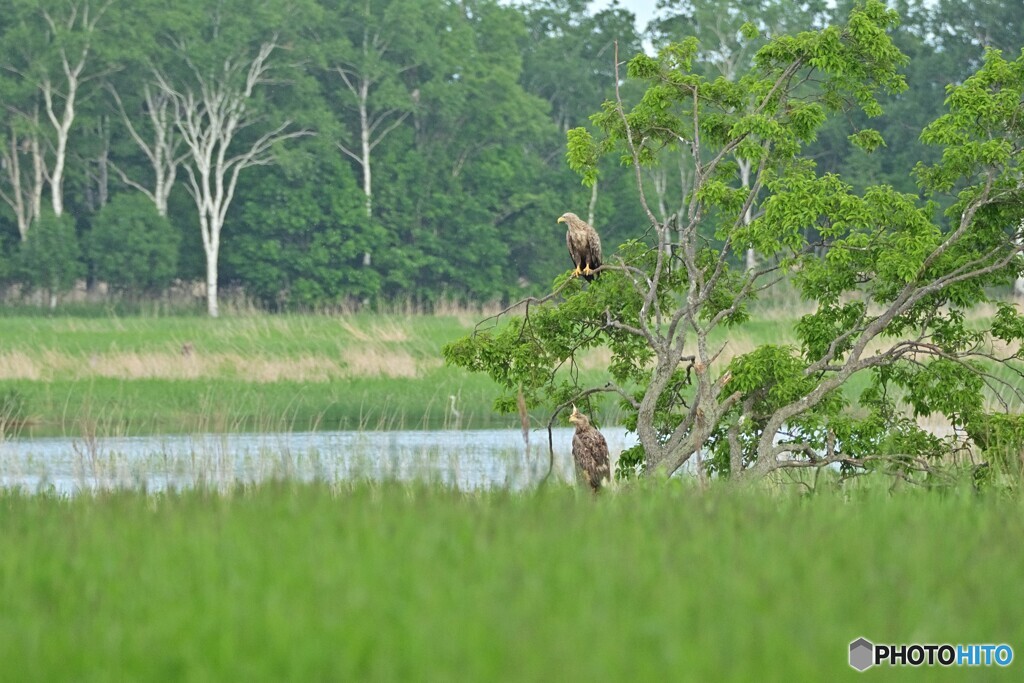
(354, 361)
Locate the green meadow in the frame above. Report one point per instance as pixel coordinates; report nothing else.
(73, 375)
(113, 375)
(356, 580)
(367, 581)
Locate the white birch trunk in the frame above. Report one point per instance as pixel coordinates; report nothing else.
(17, 196)
(62, 128)
(364, 139)
(162, 150)
(38, 176)
(593, 203)
(374, 124)
(212, 303)
(745, 166)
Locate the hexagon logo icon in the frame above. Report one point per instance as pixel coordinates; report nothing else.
(861, 654)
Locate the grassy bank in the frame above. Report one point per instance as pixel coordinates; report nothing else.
(71, 375)
(392, 583)
(111, 375)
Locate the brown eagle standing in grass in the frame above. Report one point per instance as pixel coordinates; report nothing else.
(590, 451)
(584, 245)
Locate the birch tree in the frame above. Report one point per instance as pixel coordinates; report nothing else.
(51, 51)
(211, 111)
(22, 166)
(374, 58)
(59, 71)
(159, 140)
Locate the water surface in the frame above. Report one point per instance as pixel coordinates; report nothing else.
(467, 460)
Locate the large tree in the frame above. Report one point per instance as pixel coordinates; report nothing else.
(889, 297)
(214, 80)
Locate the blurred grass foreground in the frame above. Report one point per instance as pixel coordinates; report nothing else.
(364, 581)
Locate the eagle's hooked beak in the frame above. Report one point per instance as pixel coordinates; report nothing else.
(561, 219)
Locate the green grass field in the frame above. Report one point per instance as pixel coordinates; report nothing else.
(364, 581)
(386, 582)
(71, 375)
(108, 375)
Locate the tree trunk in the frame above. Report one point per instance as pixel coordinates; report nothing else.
(212, 306)
(364, 139)
(57, 185)
(593, 203)
(209, 227)
(103, 170)
(745, 165)
(62, 128)
(15, 198)
(38, 177)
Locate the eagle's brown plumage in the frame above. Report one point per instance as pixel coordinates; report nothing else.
(590, 451)
(584, 245)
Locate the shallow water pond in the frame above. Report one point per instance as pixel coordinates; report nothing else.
(467, 460)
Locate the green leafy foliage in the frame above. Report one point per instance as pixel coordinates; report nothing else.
(538, 354)
(1001, 438)
(582, 154)
(49, 258)
(132, 247)
(303, 245)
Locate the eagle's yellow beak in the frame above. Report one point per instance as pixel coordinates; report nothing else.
(561, 219)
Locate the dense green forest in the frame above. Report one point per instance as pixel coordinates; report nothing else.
(310, 153)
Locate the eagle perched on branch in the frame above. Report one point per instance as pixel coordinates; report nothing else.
(584, 245)
(590, 451)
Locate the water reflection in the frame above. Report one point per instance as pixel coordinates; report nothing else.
(467, 460)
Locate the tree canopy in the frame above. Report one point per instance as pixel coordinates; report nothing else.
(889, 276)
(444, 121)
